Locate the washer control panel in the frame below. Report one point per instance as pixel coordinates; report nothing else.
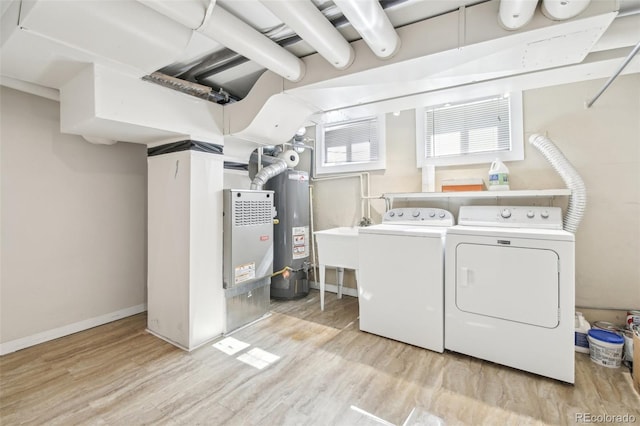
(419, 216)
(511, 216)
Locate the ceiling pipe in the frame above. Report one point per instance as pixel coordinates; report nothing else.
(615, 75)
(515, 14)
(371, 22)
(223, 27)
(282, 35)
(230, 31)
(303, 17)
(559, 10)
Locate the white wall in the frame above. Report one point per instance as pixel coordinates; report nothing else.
(236, 179)
(602, 142)
(73, 218)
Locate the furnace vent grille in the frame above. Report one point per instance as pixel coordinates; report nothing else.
(252, 212)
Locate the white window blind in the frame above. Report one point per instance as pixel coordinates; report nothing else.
(474, 131)
(479, 126)
(352, 142)
(350, 146)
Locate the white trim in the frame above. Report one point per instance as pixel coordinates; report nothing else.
(516, 130)
(210, 340)
(176, 344)
(333, 288)
(379, 164)
(45, 336)
(428, 178)
(185, 348)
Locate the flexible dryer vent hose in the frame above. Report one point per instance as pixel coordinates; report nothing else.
(267, 173)
(571, 178)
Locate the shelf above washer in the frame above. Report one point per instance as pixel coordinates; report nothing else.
(526, 193)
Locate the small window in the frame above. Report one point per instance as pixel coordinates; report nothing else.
(477, 131)
(350, 146)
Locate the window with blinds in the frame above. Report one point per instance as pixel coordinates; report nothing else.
(475, 131)
(354, 145)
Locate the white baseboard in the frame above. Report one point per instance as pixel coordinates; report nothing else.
(332, 288)
(45, 336)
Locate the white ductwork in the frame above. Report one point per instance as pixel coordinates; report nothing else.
(308, 22)
(48, 42)
(372, 23)
(446, 62)
(515, 14)
(97, 140)
(34, 89)
(559, 10)
(104, 105)
(263, 176)
(578, 197)
(223, 27)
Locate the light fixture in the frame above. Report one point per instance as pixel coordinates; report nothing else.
(514, 14)
(372, 23)
(559, 10)
(303, 17)
(218, 24)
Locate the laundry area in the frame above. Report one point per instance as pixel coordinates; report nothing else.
(407, 212)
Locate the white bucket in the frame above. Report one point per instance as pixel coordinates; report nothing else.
(628, 346)
(605, 348)
(580, 339)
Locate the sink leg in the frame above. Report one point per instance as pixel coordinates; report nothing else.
(340, 272)
(322, 270)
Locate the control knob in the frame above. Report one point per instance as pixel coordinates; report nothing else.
(506, 213)
(530, 214)
(416, 213)
(400, 214)
(432, 214)
(544, 214)
(391, 214)
(441, 215)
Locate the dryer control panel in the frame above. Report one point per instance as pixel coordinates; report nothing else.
(419, 216)
(511, 216)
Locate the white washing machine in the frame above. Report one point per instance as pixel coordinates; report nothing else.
(401, 276)
(509, 288)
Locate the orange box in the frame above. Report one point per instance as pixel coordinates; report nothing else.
(455, 185)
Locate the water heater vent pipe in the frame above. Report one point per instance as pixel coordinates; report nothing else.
(578, 197)
(266, 173)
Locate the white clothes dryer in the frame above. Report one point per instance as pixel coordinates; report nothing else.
(401, 276)
(510, 288)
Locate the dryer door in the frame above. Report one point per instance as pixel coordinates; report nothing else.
(512, 283)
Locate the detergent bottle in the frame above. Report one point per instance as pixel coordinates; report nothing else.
(582, 329)
(498, 176)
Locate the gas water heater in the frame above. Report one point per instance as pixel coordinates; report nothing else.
(290, 234)
(291, 240)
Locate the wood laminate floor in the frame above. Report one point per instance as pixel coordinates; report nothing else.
(329, 373)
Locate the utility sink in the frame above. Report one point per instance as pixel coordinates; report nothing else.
(336, 247)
